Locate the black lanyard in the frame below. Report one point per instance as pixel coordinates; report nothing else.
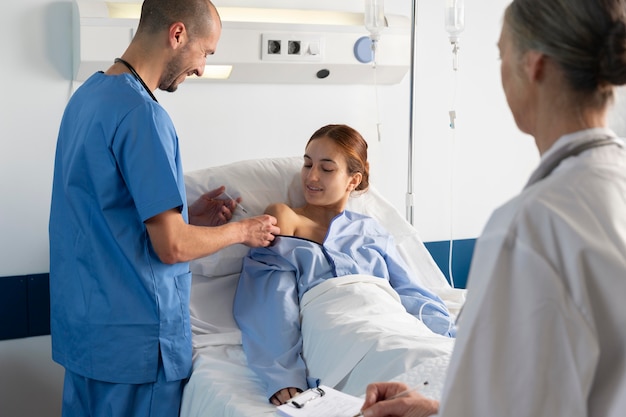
(132, 70)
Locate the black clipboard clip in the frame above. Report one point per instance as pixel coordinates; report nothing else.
(305, 397)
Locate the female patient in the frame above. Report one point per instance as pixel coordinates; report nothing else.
(319, 242)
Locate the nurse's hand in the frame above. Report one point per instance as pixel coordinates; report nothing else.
(208, 210)
(380, 402)
(258, 230)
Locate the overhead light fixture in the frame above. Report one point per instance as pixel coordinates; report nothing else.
(217, 72)
(124, 10)
(258, 45)
(257, 15)
(121, 10)
(291, 16)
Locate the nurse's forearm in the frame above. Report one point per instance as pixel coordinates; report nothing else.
(176, 241)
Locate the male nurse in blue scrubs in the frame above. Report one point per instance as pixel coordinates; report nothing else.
(121, 233)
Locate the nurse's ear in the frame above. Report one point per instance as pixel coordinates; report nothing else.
(534, 65)
(177, 35)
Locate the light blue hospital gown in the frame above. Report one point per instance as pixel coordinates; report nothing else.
(274, 280)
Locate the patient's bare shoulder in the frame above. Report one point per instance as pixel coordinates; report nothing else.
(287, 219)
(279, 209)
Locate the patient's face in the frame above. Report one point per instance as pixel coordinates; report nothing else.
(325, 177)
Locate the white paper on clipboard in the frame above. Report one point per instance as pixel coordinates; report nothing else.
(312, 403)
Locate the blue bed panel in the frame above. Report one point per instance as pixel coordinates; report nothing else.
(24, 306)
(462, 251)
(38, 305)
(13, 307)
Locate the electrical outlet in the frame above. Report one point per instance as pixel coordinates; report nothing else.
(290, 47)
(294, 47)
(274, 46)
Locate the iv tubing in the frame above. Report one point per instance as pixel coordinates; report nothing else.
(452, 174)
(376, 98)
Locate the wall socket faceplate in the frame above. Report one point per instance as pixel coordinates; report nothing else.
(290, 47)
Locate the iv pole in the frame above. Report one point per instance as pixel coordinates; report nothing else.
(409, 195)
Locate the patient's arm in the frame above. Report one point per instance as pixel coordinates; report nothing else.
(416, 298)
(267, 312)
(286, 218)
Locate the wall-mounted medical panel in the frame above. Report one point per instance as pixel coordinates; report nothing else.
(259, 45)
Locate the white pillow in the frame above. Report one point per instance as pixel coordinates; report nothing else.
(259, 183)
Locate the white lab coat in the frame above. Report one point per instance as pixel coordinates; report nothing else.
(543, 330)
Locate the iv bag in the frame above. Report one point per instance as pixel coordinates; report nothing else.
(374, 17)
(455, 18)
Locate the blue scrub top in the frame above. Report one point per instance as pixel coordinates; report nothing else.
(114, 304)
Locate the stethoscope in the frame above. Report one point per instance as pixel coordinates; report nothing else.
(136, 75)
(548, 165)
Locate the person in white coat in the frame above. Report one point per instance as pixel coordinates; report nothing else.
(543, 330)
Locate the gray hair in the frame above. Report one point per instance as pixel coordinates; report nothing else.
(587, 38)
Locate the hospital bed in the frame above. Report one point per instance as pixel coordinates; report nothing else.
(221, 383)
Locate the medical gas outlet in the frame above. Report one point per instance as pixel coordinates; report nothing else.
(291, 48)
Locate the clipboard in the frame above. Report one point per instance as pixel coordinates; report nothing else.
(321, 401)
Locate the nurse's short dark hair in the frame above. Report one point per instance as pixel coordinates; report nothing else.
(158, 15)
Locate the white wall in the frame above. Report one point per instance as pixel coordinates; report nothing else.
(490, 159)
(36, 62)
(459, 176)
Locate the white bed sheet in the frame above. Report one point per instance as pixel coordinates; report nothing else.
(221, 383)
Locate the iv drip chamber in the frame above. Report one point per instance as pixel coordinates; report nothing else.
(455, 18)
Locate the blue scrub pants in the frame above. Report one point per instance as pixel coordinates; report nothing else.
(84, 397)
